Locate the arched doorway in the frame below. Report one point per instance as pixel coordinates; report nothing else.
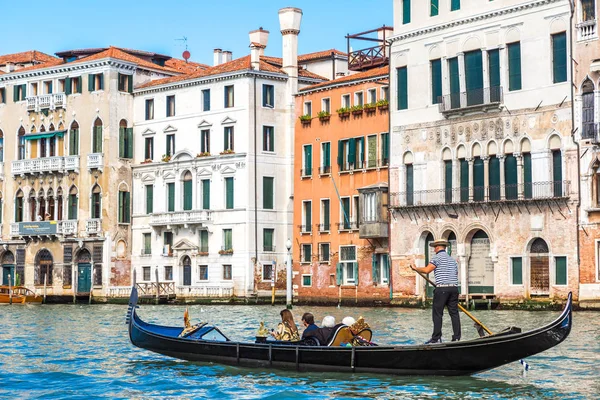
(428, 251)
(539, 267)
(43, 268)
(8, 268)
(84, 271)
(481, 268)
(187, 271)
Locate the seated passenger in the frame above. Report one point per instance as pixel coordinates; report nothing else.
(309, 323)
(324, 333)
(328, 322)
(287, 330)
(348, 321)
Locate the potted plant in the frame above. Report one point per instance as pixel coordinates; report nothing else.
(166, 158)
(226, 252)
(383, 104)
(228, 151)
(324, 116)
(147, 161)
(343, 112)
(203, 154)
(356, 110)
(305, 119)
(203, 253)
(370, 107)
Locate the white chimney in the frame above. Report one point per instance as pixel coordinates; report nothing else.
(289, 23)
(10, 67)
(258, 42)
(217, 57)
(227, 56)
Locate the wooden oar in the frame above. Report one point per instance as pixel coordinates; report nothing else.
(478, 323)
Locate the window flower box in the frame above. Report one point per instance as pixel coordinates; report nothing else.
(225, 152)
(165, 158)
(357, 110)
(344, 112)
(370, 108)
(324, 116)
(204, 154)
(383, 104)
(203, 253)
(226, 252)
(305, 119)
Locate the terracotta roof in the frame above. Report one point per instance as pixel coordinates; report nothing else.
(26, 57)
(320, 54)
(185, 67)
(349, 79)
(53, 63)
(114, 52)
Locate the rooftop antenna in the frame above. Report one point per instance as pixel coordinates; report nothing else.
(186, 54)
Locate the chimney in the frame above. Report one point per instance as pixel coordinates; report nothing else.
(227, 56)
(289, 23)
(258, 42)
(217, 57)
(10, 67)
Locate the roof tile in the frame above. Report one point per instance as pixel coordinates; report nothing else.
(349, 79)
(26, 57)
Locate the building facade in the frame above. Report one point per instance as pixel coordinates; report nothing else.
(65, 139)
(481, 146)
(340, 190)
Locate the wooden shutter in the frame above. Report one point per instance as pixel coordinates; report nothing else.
(16, 93)
(362, 151)
(171, 197)
(187, 195)
(494, 67)
(386, 147)
(308, 160)
(228, 241)
(23, 92)
(121, 216)
(478, 179)
(340, 154)
(346, 212)
(100, 81)
(203, 241)
(264, 95)
(130, 83)
(454, 74)
(267, 239)
(122, 142)
(405, 11)
(559, 57)
(206, 194)
(355, 269)
(514, 66)
(327, 155)
(474, 77)
(308, 215)
(517, 271)
(527, 176)
(351, 151)
(561, 270)
(67, 86)
(50, 87)
(375, 269)
(91, 82)
(127, 214)
(557, 172)
(510, 177)
(448, 180)
(267, 193)
(229, 193)
(98, 141)
(326, 217)
(149, 199)
(129, 137)
(409, 185)
(402, 88)
(455, 5)
(434, 8)
(339, 274)
(494, 178)
(436, 81)
(79, 84)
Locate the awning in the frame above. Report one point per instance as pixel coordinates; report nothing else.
(45, 135)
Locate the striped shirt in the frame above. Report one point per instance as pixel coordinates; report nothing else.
(446, 269)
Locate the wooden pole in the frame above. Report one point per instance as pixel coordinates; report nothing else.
(273, 272)
(45, 280)
(9, 290)
(91, 282)
(157, 291)
(74, 284)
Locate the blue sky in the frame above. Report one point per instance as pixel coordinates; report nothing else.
(154, 25)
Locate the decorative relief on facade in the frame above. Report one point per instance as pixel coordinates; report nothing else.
(216, 167)
(240, 165)
(430, 135)
(554, 119)
(438, 136)
(468, 134)
(461, 130)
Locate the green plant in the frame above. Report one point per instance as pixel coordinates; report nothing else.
(229, 151)
(382, 102)
(226, 252)
(306, 117)
(370, 106)
(356, 108)
(323, 114)
(147, 161)
(343, 110)
(203, 154)
(166, 158)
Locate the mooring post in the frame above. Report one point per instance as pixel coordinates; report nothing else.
(91, 282)
(157, 291)
(74, 281)
(9, 290)
(45, 280)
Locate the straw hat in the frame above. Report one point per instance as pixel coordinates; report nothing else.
(439, 242)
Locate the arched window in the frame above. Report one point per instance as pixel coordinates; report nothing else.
(187, 271)
(125, 140)
(59, 204)
(74, 139)
(527, 173)
(97, 136)
(1, 146)
(539, 266)
(587, 110)
(124, 206)
(511, 184)
(409, 178)
(493, 172)
(478, 174)
(448, 185)
(21, 144)
(96, 206)
(51, 206)
(1, 206)
(42, 206)
(19, 206)
(73, 203)
(43, 268)
(51, 142)
(187, 191)
(557, 179)
(32, 206)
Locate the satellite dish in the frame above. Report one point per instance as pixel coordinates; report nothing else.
(186, 55)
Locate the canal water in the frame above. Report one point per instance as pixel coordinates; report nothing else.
(82, 352)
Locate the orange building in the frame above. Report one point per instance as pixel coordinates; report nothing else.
(341, 153)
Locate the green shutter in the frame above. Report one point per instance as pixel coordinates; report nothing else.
(91, 82)
(204, 241)
(454, 73)
(355, 269)
(436, 81)
(79, 84)
(121, 205)
(205, 194)
(327, 155)
(130, 83)
(494, 178)
(129, 137)
(228, 242)
(517, 271)
(338, 274)
(308, 216)
(474, 77)
(448, 180)
(559, 57)
(264, 95)
(122, 142)
(16, 93)
(267, 239)
(326, 218)
(514, 66)
(375, 269)
(386, 147)
(454, 5)
(50, 88)
(351, 151)
(73, 206)
(267, 193)
(510, 177)
(171, 196)
(225, 139)
(494, 67)
(405, 11)
(557, 172)
(402, 88)
(187, 195)
(23, 91)
(149, 199)
(73, 142)
(561, 270)
(409, 185)
(101, 81)
(340, 154)
(308, 160)
(478, 179)
(346, 212)
(362, 151)
(127, 214)
(434, 8)
(527, 176)
(229, 193)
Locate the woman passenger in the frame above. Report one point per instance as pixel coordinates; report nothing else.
(287, 330)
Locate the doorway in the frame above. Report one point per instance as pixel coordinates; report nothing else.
(8, 268)
(481, 267)
(84, 271)
(187, 271)
(539, 266)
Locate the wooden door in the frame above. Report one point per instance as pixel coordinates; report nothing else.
(540, 274)
(187, 275)
(8, 269)
(84, 277)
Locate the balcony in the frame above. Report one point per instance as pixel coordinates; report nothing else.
(269, 249)
(347, 226)
(324, 227)
(370, 57)
(46, 101)
(373, 230)
(45, 165)
(587, 30)
(95, 161)
(184, 218)
(480, 194)
(43, 228)
(484, 99)
(93, 226)
(305, 229)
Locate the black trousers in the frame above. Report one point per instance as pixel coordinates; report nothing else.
(445, 297)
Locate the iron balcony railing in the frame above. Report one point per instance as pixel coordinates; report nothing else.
(306, 173)
(305, 228)
(324, 227)
(471, 98)
(325, 170)
(347, 226)
(479, 194)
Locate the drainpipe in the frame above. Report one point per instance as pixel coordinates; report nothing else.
(390, 212)
(255, 194)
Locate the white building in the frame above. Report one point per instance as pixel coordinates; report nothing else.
(214, 169)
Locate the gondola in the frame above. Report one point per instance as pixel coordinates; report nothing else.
(209, 344)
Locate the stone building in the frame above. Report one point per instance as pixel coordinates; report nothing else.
(481, 146)
(586, 84)
(65, 167)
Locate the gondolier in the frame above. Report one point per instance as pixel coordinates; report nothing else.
(445, 294)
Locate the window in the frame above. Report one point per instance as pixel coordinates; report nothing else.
(268, 192)
(73, 85)
(308, 108)
(348, 265)
(372, 93)
(516, 270)
(434, 9)
(306, 216)
(306, 280)
(345, 210)
(124, 207)
(203, 272)
(229, 193)
(560, 264)
(125, 140)
(205, 141)
(494, 74)
(96, 211)
(380, 269)
(325, 158)
(351, 153)
(359, 99)
(149, 199)
(324, 252)
(402, 88)
(2, 96)
(170, 145)
(97, 136)
(268, 96)
(227, 240)
(228, 139)
(187, 191)
(204, 242)
(206, 100)
(147, 243)
(494, 178)
(588, 10)
(355, 210)
(372, 151)
(478, 179)
(370, 207)
(448, 185)
(73, 141)
(268, 138)
(19, 207)
(19, 92)
(306, 256)
(227, 272)
(436, 81)
(454, 5)
(168, 272)
(307, 160)
(527, 176)
(95, 82)
(587, 110)
(170, 197)
(1, 146)
(229, 96)
(73, 199)
(171, 106)
(514, 66)
(325, 216)
(149, 149)
(149, 109)
(125, 83)
(61, 85)
(454, 75)
(346, 101)
(267, 271)
(385, 93)
(405, 11)
(268, 239)
(474, 77)
(510, 177)
(409, 184)
(206, 194)
(326, 105)
(167, 244)
(146, 273)
(557, 173)
(385, 149)
(559, 57)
